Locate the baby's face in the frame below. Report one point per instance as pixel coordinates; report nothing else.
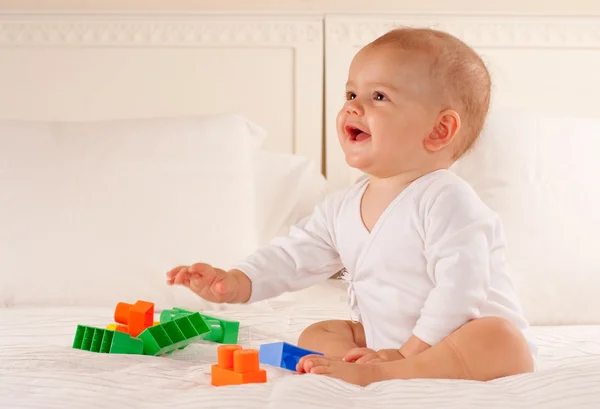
(388, 113)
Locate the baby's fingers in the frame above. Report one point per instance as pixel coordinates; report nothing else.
(173, 272)
(357, 353)
(367, 358)
(220, 284)
(178, 275)
(201, 276)
(376, 360)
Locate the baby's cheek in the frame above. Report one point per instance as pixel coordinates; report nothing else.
(339, 122)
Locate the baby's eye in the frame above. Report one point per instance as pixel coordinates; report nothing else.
(378, 96)
(350, 95)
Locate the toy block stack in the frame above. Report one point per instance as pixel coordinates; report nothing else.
(237, 366)
(136, 332)
(134, 318)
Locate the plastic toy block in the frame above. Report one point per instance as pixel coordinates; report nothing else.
(283, 355)
(156, 323)
(106, 341)
(245, 361)
(221, 331)
(117, 327)
(236, 366)
(224, 377)
(176, 334)
(225, 355)
(136, 317)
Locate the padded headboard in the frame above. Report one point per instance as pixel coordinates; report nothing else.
(93, 66)
(539, 63)
(284, 72)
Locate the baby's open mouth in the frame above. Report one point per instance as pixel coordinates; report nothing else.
(356, 134)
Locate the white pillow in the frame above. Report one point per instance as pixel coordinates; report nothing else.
(287, 189)
(540, 173)
(96, 213)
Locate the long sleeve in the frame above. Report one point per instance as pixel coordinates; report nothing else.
(462, 240)
(295, 261)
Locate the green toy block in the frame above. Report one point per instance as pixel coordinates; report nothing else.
(221, 331)
(175, 334)
(106, 341)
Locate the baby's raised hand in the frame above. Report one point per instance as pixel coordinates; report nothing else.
(212, 284)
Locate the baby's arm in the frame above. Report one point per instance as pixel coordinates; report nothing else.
(297, 260)
(463, 238)
(288, 263)
(212, 284)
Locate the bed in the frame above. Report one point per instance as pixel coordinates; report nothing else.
(218, 128)
(40, 371)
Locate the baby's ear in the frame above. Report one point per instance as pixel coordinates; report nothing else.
(444, 131)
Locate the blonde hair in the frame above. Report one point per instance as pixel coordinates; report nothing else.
(456, 70)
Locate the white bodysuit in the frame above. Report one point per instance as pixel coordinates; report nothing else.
(433, 261)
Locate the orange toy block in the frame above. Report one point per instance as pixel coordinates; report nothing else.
(245, 361)
(237, 366)
(135, 318)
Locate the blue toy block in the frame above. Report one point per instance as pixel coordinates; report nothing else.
(283, 355)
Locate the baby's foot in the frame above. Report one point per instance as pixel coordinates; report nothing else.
(358, 374)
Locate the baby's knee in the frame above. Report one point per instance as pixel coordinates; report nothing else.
(346, 329)
(330, 326)
(502, 339)
(499, 331)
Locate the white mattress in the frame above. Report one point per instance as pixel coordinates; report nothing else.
(39, 369)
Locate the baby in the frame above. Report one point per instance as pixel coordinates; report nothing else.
(423, 256)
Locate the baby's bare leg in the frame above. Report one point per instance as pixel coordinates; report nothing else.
(481, 350)
(333, 338)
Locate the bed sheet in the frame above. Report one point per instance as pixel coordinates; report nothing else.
(39, 369)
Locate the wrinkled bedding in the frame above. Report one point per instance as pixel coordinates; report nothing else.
(39, 369)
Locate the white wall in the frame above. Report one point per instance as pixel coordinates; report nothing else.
(560, 7)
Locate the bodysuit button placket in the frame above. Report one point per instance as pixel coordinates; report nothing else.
(353, 304)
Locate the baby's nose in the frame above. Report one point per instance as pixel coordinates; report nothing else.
(353, 107)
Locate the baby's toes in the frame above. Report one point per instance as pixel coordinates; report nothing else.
(318, 365)
(306, 363)
(301, 363)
